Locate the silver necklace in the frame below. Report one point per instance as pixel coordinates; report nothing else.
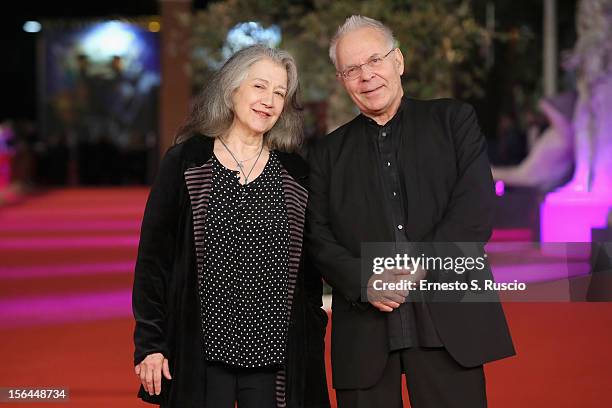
(240, 163)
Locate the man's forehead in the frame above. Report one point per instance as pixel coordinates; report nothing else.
(360, 45)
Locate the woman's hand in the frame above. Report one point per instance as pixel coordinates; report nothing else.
(150, 371)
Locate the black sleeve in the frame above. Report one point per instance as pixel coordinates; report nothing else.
(155, 259)
(337, 265)
(469, 213)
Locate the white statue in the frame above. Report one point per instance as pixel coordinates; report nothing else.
(582, 138)
(592, 59)
(550, 161)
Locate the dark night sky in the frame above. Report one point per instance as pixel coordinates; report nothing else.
(18, 67)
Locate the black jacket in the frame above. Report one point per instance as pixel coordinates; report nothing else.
(165, 301)
(444, 165)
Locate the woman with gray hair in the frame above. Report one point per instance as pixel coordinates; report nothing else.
(225, 309)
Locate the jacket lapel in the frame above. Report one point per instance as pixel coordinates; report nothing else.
(408, 160)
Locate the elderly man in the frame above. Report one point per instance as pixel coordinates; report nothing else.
(404, 170)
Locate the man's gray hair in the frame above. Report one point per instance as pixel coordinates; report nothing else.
(356, 22)
(213, 111)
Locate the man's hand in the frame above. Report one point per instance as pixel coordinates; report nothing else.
(150, 371)
(385, 299)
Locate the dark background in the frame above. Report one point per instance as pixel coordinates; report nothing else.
(514, 66)
(18, 66)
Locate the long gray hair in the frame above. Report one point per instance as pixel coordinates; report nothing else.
(212, 113)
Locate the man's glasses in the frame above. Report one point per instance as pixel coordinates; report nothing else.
(355, 71)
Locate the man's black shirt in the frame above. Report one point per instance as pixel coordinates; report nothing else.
(410, 325)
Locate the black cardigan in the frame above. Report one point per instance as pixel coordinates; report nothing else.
(165, 299)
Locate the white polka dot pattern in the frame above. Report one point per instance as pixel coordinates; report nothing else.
(198, 180)
(245, 280)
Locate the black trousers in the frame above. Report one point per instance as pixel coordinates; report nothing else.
(250, 387)
(434, 380)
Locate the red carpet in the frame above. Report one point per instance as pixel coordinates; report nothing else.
(66, 261)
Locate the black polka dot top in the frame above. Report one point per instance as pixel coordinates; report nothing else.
(244, 301)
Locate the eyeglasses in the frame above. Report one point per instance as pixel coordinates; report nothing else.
(355, 71)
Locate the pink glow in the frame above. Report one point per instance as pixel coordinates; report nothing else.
(499, 188)
(517, 234)
(536, 262)
(24, 312)
(26, 272)
(524, 252)
(67, 243)
(540, 272)
(53, 225)
(520, 247)
(73, 212)
(569, 216)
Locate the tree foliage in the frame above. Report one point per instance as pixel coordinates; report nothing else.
(440, 39)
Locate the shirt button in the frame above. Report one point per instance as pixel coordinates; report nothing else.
(388, 164)
(400, 227)
(394, 194)
(384, 134)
